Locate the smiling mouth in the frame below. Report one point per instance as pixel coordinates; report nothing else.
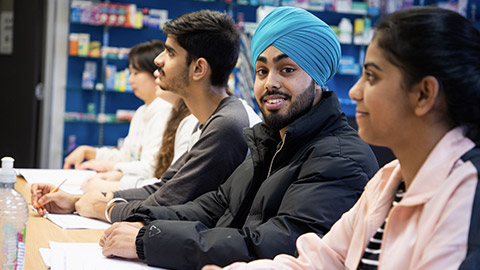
(274, 101)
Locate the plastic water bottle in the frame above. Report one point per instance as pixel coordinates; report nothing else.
(13, 219)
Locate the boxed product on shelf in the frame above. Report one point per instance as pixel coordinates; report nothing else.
(348, 66)
(110, 71)
(125, 114)
(94, 49)
(156, 18)
(359, 8)
(89, 75)
(73, 44)
(114, 52)
(113, 14)
(317, 5)
(344, 6)
(83, 44)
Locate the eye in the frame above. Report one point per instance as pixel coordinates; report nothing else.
(260, 72)
(369, 76)
(288, 70)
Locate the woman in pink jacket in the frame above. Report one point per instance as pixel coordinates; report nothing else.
(419, 95)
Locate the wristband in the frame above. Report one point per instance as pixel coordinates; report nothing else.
(110, 204)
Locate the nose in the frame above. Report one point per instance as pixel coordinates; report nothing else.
(130, 78)
(272, 81)
(356, 92)
(159, 60)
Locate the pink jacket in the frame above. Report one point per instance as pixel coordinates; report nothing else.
(428, 229)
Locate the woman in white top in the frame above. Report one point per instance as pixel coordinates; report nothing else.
(176, 141)
(137, 155)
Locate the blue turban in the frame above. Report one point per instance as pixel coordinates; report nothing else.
(302, 36)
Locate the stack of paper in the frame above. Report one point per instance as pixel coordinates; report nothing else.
(81, 256)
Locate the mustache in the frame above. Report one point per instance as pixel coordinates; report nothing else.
(161, 71)
(275, 92)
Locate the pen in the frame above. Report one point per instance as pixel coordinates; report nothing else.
(54, 190)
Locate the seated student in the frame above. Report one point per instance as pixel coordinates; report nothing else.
(197, 70)
(307, 165)
(175, 142)
(137, 154)
(419, 95)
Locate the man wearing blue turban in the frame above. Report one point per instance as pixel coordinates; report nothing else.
(306, 168)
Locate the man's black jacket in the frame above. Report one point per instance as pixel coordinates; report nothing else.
(282, 190)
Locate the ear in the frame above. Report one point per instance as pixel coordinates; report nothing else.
(200, 69)
(426, 96)
(318, 93)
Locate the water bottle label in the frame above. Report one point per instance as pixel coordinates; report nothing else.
(13, 247)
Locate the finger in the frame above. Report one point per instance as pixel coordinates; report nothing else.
(110, 230)
(108, 251)
(41, 211)
(33, 193)
(46, 199)
(78, 165)
(102, 240)
(67, 165)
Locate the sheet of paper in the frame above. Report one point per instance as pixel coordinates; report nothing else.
(74, 178)
(82, 256)
(46, 256)
(75, 221)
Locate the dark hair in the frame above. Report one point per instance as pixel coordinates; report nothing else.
(431, 41)
(211, 35)
(166, 152)
(141, 56)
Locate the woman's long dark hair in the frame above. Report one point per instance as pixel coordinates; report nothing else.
(436, 42)
(166, 152)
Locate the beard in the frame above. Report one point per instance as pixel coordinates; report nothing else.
(178, 85)
(302, 104)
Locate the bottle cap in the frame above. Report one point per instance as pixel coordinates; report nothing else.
(7, 162)
(7, 174)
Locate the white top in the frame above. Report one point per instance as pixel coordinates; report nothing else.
(137, 155)
(182, 142)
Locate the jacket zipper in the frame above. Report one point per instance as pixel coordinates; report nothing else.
(281, 147)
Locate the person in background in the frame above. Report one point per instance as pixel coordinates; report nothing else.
(197, 69)
(419, 95)
(137, 154)
(175, 143)
(307, 165)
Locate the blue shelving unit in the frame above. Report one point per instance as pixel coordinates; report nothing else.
(78, 99)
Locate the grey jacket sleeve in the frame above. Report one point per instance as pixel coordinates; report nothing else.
(220, 149)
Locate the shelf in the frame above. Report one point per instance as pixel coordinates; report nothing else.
(94, 122)
(118, 26)
(77, 117)
(99, 58)
(79, 88)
